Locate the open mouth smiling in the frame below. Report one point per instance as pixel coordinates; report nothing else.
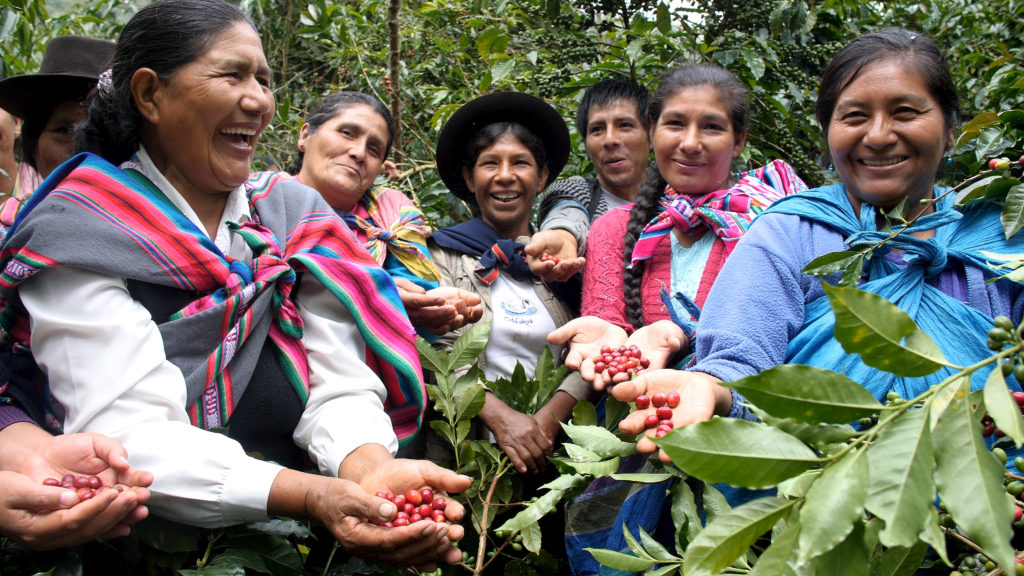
(244, 136)
(881, 162)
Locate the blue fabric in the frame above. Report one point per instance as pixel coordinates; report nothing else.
(958, 329)
(476, 238)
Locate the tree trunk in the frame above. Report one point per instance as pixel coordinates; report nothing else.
(394, 6)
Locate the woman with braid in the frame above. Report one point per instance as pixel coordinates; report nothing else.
(673, 241)
(654, 261)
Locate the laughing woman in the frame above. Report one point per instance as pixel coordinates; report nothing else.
(166, 293)
(497, 153)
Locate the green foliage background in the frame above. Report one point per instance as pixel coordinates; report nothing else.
(450, 51)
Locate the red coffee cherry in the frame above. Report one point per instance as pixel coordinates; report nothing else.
(651, 421)
(428, 495)
(414, 497)
(85, 487)
(439, 504)
(673, 399)
(643, 402)
(664, 413)
(658, 400)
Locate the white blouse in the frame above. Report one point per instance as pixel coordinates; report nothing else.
(105, 360)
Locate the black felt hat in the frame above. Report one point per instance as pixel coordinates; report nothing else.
(532, 112)
(71, 64)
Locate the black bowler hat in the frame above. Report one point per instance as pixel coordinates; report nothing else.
(532, 112)
(71, 64)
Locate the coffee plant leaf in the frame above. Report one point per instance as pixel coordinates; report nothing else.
(584, 414)
(832, 262)
(873, 327)
(614, 412)
(431, 358)
(599, 440)
(595, 469)
(807, 394)
(565, 482)
(1012, 215)
(902, 492)
(654, 548)
(1001, 406)
(279, 555)
(213, 569)
(970, 479)
(824, 437)
(975, 190)
(797, 486)
(620, 561)
(833, 505)
(644, 478)
(849, 558)
(933, 536)
(970, 130)
(776, 559)
(731, 535)
(578, 453)
(942, 399)
(899, 560)
(461, 431)
(999, 189)
(738, 452)
(532, 538)
(471, 403)
(167, 536)
(685, 517)
(445, 430)
(239, 558)
(634, 546)
(851, 276)
(715, 503)
(664, 570)
(468, 346)
(536, 510)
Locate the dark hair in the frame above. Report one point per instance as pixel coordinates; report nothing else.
(38, 116)
(334, 104)
(611, 90)
(908, 47)
(734, 95)
(164, 37)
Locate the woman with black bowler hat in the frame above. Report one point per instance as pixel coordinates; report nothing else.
(497, 153)
(50, 104)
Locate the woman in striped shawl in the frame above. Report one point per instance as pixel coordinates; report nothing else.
(225, 328)
(342, 145)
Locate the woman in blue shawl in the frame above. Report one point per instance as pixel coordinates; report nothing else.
(888, 108)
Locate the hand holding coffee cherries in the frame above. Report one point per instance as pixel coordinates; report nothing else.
(553, 255)
(45, 517)
(585, 337)
(701, 396)
(422, 542)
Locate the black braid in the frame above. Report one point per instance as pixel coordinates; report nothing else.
(643, 211)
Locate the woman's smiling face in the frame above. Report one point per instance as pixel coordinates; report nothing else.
(887, 135)
(505, 179)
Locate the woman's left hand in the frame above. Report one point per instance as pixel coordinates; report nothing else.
(440, 310)
(658, 342)
(561, 245)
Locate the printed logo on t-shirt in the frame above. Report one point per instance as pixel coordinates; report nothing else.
(518, 307)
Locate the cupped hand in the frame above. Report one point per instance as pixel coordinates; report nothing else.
(560, 244)
(658, 342)
(422, 543)
(468, 305)
(519, 435)
(440, 310)
(46, 517)
(701, 397)
(586, 336)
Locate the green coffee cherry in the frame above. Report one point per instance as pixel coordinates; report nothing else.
(999, 335)
(1007, 367)
(1018, 462)
(1015, 488)
(1000, 454)
(1018, 372)
(893, 396)
(1004, 323)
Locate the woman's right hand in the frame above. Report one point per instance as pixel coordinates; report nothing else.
(658, 342)
(519, 435)
(586, 336)
(701, 397)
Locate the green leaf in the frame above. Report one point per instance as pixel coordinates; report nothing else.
(715, 504)
(634, 546)
(643, 478)
(663, 20)
(502, 68)
(214, 570)
(620, 561)
(849, 558)
(944, 397)
(1012, 216)
(240, 558)
(797, 486)
(584, 414)
(634, 49)
(729, 536)
(278, 554)
(471, 403)
(902, 491)
(431, 359)
(933, 535)
(654, 548)
(821, 436)
(685, 516)
(614, 412)
(807, 394)
(166, 535)
(461, 431)
(1002, 407)
(469, 346)
(741, 453)
(491, 41)
(595, 469)
(598, 440)
(900, 561)
(540, 507)
(970, 479)
(774, 561)
(975, 190)
(832, 262)
(852, 274)
(873, 327)
(445, 430)
(833, 505)
(532, 538)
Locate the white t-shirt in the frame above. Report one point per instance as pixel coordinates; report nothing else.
(519, 329)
